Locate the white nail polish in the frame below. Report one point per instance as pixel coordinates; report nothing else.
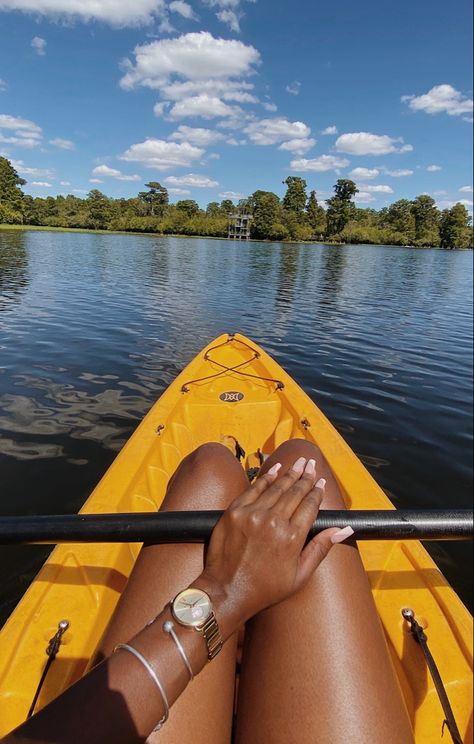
(321, 483)
(342, 535)
(274, 469)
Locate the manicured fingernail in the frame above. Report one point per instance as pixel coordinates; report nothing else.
(274, 469)
(321, 483)
(342, 535)
(298, 467)
(310, 468)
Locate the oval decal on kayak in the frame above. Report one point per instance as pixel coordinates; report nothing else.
(231, 397)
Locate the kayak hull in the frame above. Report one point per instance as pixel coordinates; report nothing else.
(231, 389)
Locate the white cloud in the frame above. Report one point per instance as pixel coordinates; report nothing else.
(136, 13)
(178, 192)
(366, 143)
(80, 191)
(294, 88)
(272, 107)
(196, 135)
(434, 168)
(399, 173)
(234, 195)
(330, 130)
(364, 174)
(230, 12)
(104, 170)
(20, 132)
(43, 184)
(192, 180)
(194, 56)
(95, 180)
(235, 142)
(447, 203)
(63, 144)
(228, 90)
(363, 197)
(166, 27)
(204, 107)
(379, 188)
(39, 45)
(319, 165)
(162, 155)
(25, 170)
(65, 183)
(231, 18)
(466, 189)
(469, 119)
(183, 9)
(3, 85)
(275, 131)
(159, 109)
(298, 146)
(440, 99)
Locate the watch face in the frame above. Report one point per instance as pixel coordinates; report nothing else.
(192, 607)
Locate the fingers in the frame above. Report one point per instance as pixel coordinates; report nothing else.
(313, 554)
(252, 493)
(290, 500)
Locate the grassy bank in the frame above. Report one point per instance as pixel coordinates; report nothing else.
(46, 228)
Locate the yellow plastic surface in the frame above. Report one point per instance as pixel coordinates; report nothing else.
(83, 582)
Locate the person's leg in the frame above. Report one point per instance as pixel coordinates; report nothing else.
(316, 668)
(209, 478)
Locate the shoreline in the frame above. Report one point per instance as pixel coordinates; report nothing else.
(47, 228)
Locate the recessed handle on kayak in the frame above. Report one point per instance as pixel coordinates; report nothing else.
(196, 526)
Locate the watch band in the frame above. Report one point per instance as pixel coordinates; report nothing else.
(212, 636)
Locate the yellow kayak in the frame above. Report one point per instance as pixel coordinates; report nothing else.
(234, 387)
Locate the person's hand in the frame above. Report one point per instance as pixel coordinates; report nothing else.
(257, 554)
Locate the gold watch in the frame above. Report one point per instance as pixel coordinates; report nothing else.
(192, 608)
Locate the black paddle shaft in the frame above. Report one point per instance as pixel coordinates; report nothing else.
(196, 527)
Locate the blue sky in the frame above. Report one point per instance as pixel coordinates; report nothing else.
(218, 98)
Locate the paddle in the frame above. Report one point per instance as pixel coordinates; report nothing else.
(182, 527)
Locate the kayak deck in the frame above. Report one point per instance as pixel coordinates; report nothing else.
(231, 389)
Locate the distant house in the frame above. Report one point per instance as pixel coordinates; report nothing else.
(239, 226)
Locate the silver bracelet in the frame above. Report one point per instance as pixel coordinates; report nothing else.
(154, 677)
(168, 627)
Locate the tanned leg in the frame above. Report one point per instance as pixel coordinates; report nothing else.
(316, 668)
(209, 478)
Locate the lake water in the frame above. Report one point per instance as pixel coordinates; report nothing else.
(94, 327)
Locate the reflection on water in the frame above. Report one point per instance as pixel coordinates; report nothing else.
(13, 267)
(94, 327)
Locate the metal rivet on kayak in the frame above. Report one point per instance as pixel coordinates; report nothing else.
(63, 625)
(407, 613)
(305, 423)
(159, 429)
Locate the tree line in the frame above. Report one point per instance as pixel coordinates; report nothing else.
(297, 216)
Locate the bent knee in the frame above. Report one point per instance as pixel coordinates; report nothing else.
(299, 448)
(209, 453)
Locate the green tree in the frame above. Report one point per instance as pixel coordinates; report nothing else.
(341, 208)
(188, 206)
(295, 197)
(213, 209)
(455, 227)
(155, 199)
(266, 213)
(11, 196)
(227, 207)
(98, 210)
(426, 220)
(400, 217)
(316, 215)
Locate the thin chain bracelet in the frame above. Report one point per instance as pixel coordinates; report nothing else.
(155, 678)
(168, 627)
